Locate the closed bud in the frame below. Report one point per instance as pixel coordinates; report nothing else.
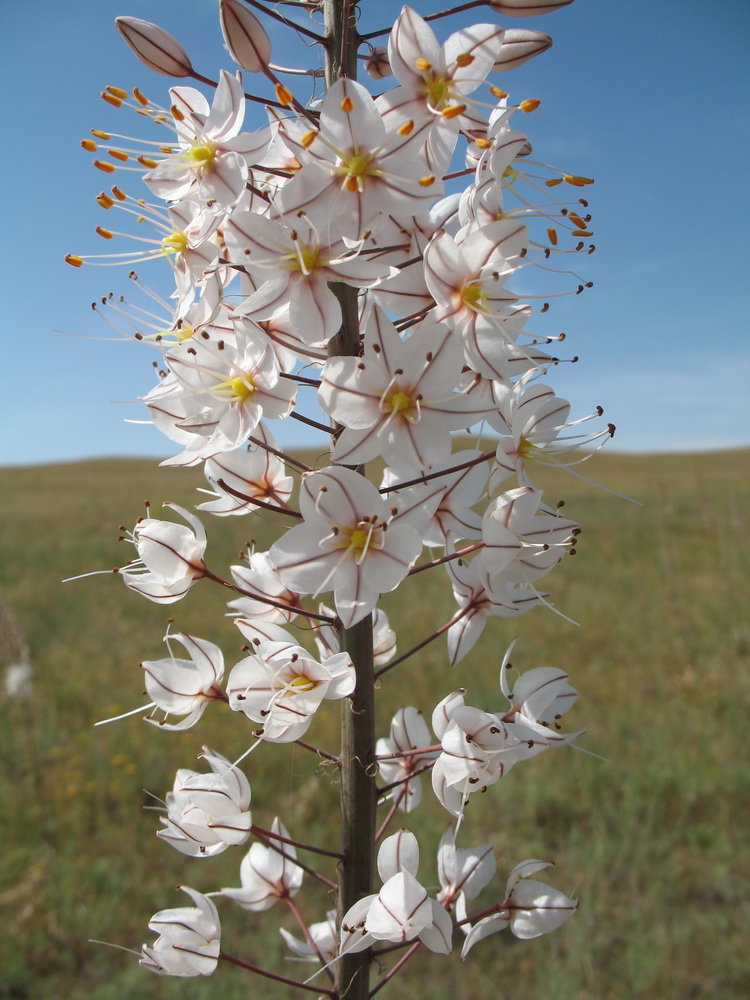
(245, 37)
(526, 8)
(154, 46)
(520, 44)
(377, 64)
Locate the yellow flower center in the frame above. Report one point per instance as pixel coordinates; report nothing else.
(399, 401)
(358, 539)
(200, 156)
(473, 297)
(354, 169)
(174, 243)
(306, 258)
(438, 91)
(241, 387)
(299, 682)
(526, 448)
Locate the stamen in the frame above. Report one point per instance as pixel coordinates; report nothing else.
(283, 95)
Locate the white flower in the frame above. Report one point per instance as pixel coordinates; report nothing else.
(354, 173)
(463, 873)
(296, 264)
(184, 687)
(267, 874)
(260, 577)
(534, 416)
(229, 386)
(206, 813)
(539, 698)
(210, 164)
(398, 400)
(170, 557)
(256, 473)
(402, 910)
(324, 937)
(478, 749)
(383, 637)
(520, 543)
(530, 908)
(350, 541)
(281, 686)
(480, 598)
(436, 80)
(409, 732)
(189, 939)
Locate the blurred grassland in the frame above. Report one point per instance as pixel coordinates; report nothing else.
(653, 841)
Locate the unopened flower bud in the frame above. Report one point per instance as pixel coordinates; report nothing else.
(155, 47)
(245, 37)
(519, 45)
(377, 64)
(526, 8)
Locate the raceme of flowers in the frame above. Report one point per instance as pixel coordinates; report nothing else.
(262, 215)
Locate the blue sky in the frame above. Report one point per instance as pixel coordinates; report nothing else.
(650, 97)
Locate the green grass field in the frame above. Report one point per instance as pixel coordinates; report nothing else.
(653, 841)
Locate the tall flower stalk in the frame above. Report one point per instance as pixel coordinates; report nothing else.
(328, 247)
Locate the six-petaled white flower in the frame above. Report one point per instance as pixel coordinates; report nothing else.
(268, 873)
(189, 939)
(206, 813)
(351, 542)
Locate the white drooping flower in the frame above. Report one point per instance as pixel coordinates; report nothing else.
(189, 939)
(264, 596)
(240, 477)
(398, 764)
(184, 686)
(522, 544)
(538, 699)
(383, 637)
(463, 873)
(402, 910)
(206, 813)
(170, 557)
(267, 873)
(324, 943)
(530, 908)
(280, 685)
